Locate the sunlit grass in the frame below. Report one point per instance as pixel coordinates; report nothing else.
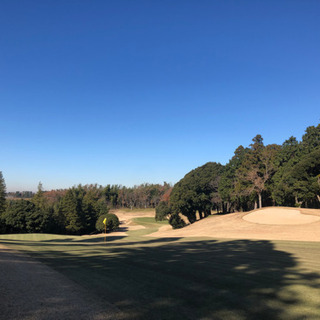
(150, 278)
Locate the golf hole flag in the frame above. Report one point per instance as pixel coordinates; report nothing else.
(104, 221)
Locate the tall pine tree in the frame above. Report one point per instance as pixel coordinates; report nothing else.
(39, 199)
(2, 194)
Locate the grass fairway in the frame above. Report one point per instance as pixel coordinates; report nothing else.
(166, 278)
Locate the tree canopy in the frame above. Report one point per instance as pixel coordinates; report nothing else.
(197, 192)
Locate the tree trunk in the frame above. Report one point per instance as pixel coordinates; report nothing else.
(260, 200)
(223, 207)
(298, 203)
(192, 217)
(255, 205)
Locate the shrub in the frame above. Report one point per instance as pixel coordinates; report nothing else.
(162, 211)
(176, 222)
(112, 222)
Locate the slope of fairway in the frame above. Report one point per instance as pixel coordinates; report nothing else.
(150, 279)
(31, 290)
(135, 276)
(273, 223)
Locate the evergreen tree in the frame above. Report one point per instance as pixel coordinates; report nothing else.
(2, 194)
(257, 168)
(39, 199)
(163, 210)
(90, 208)
(176, 222)
(2, 203)
(311, 139)
(72, 212)
(229, 188)
(16, 214)
(302, 180)
(197, 192)
(288, 156)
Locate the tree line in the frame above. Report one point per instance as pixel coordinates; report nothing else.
(256, 176)
(20, 195)
(76, 210)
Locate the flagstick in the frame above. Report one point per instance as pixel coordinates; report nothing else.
(105, 232)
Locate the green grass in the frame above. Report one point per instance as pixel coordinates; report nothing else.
(149, 224)
(150, 278)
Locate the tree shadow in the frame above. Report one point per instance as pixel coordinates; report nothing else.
(80, 244)
(172, 279)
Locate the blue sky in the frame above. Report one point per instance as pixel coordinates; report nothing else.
(126, 92)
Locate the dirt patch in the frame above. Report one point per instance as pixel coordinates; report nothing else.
(31, 290)
(125, 216)
(234, 226)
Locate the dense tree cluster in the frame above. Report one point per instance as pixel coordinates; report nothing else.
(75, 210)
(197, 192)
(260, 175)
(142, 196)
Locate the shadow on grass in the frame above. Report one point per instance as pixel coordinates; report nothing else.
(169, 279)
(95, 239)
(116, 241)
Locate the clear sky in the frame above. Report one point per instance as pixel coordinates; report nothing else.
(126, 92)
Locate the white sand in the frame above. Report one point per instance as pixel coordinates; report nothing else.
(279, 216)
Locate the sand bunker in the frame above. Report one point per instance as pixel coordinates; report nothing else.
(280, 216)
(273, 223)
